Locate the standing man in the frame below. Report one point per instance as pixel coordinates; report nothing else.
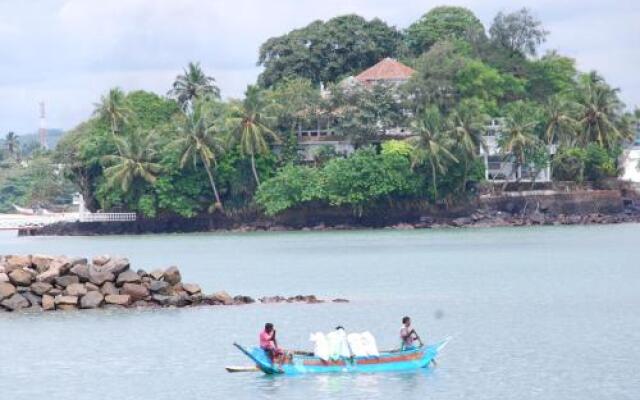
(408, 335)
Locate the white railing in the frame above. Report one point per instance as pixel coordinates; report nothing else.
(107, 217)
(14, 221)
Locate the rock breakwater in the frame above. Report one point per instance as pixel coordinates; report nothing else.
(47, 283)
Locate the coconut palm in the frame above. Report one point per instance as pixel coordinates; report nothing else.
(114, 109)
(199, 142)
(136, 160)
(249, 122)
(518, 135)
(193, 84)
(560, 122)
(600, 112)
(430, 144)
(466, 126)
(12, 143)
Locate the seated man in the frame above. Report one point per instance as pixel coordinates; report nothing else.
(408, 335)
(269, 344)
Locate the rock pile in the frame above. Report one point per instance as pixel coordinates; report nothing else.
(44, 283)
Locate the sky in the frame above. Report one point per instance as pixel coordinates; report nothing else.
(69, 52)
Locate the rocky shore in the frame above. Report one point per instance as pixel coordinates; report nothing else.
(46, 283)
(523, 208)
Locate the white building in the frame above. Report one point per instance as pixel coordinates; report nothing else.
(499, 167)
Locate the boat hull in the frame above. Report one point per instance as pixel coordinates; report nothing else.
(386, 362)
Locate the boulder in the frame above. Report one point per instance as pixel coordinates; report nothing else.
(63, 264)
(118, 299)
(116, 265)
(109, 288)
(33, 299)
(21, 277)
(4, 277)
(41, 262)
(243, 300)
(75, 289)
(160, 287)
(50, 275)
(160, 299)
(92, 299)
(66, 280)
(90, 287)
(66, 307)
(48, 303)
(100, 260)
(197, 298)
(137, 292)
(55, 291)
(191, 288)
(13, 262)
(82, 271)
(15, 302)
(179, 300)
(99, 277)
(340, 300)
(156, 274)
(6, 290)
(69, 300)
(221, 297)
(40, 288)
(127, 277)
(172, 275)
(142, 273)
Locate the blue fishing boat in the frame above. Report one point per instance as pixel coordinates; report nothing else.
(388, 361)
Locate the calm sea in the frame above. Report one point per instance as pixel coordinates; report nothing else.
(540, 313)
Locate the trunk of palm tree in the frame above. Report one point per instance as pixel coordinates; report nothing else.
(464, 175)
(435, 185)
(215, 189)
(253, 168)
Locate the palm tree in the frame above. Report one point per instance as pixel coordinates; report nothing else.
(600, 112)
(518, 135)
(199, 141)
(560, 122)
(466, 126)
(430, 144)
(12, 143)
(114, 109)
(249, 122)
(136, 160)
(193, 84)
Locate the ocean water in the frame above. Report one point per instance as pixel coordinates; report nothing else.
(535, 313)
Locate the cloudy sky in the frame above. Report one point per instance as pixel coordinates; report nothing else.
(68, 52)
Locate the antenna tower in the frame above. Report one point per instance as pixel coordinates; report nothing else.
(42, 132)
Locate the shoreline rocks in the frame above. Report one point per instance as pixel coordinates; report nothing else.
(47, 283)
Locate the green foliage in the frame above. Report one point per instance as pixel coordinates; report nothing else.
(327, 51)
(365, 112)
(478, 80)
(396, 147)
(519, 32)
(358, 181)
(550, 75)
(291, 186)
(592, 163)
(443, 23)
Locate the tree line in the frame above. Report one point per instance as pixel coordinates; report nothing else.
(191, 152)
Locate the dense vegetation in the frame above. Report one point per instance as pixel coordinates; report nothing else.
(190, 152)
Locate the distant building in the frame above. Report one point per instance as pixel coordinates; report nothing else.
(630, 159)
(386, 72)
(498, 166)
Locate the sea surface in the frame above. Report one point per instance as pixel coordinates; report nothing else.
(535, 313)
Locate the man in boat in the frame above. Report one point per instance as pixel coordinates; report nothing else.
(408, 335)
(269, 344)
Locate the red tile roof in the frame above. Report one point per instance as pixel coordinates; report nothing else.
(386, 70)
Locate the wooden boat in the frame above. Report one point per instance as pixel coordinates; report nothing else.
(388, 361)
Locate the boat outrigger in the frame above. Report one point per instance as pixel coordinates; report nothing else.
(388, 361)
